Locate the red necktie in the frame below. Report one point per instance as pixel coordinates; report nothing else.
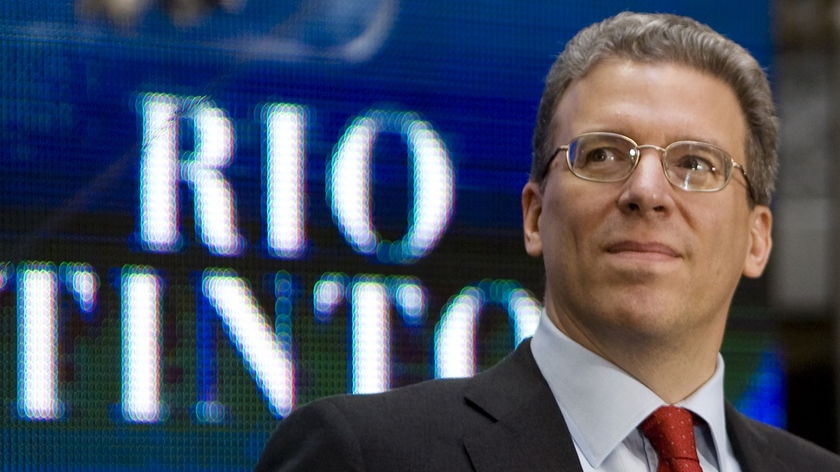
(670, 430)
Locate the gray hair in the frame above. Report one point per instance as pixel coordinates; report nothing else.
(669, 38)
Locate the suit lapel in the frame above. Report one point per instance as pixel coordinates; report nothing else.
(751, 449)
(527, 430)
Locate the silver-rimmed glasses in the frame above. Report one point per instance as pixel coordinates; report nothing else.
(610, 157)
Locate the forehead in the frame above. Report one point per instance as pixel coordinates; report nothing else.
(653, 103)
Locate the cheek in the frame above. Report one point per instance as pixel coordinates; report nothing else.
(565, 229)
(575, 215)
(724, 242)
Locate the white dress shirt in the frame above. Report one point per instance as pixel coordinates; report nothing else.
(603, 407)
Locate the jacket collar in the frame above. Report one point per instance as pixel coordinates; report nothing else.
(750, 445)
(527, 430)
(526, 424)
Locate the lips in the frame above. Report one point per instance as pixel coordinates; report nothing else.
(642, 249)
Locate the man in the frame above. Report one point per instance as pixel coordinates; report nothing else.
(654, 161)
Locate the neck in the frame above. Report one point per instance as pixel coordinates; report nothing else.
(673, 374)
(673, 366)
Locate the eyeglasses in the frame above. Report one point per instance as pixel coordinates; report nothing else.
(609, 157)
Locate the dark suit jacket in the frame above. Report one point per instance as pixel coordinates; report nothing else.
(504, 419)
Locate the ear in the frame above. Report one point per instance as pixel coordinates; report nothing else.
(761, 241)
(531, 210)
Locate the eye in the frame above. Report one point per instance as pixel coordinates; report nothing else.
(603, 155)
(697, 164)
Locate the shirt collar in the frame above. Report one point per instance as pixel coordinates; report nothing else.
(604, 406)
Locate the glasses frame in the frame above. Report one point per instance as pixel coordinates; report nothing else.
(731, 163)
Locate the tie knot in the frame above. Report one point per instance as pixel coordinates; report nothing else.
(670, 430)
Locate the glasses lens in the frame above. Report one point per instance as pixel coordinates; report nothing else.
(697, 167)
(602, 157)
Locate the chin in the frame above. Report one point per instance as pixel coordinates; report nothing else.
(643, 316)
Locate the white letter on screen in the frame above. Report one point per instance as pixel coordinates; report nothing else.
(284, 168)
(82, 282)
(525, 311)
(269, 359)
(141, 357)
(215, 210)
(37, 309)
(349, 178)
(455, 336)
(456, 332)
(158, 186)
(348, 184)
(371, 337)
(433, 188)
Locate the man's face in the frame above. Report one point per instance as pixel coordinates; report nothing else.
(640, 259)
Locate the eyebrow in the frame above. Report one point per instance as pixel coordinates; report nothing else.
(669, 138)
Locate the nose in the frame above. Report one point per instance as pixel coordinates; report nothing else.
(647, 190)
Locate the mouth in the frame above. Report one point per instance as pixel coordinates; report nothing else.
(642, 250)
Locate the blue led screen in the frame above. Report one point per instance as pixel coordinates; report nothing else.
(210, 217)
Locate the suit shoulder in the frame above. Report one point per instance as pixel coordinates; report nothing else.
(812, 455)
(793, 451)
(313, 437)
(381, 431)
(419, 427)
(421, 402)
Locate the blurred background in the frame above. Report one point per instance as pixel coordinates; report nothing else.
(214, 210)
(802, 282)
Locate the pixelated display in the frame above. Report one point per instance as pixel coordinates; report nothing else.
(210, 215)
